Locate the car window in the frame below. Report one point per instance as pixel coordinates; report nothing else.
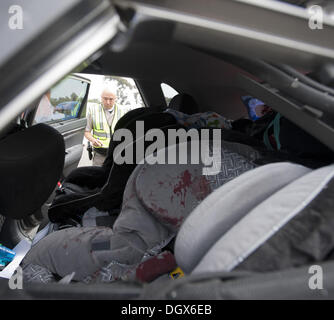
(169, 92)
(127, 93)
(62, 102)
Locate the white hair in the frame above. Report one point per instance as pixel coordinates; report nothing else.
(110, 87)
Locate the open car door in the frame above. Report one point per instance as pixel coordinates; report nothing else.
(64, 108)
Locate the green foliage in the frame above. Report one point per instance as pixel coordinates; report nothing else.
(94, 101)
(56, 101)
(74, 97)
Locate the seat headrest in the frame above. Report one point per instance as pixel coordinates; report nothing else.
(135, 114)
(185, 103)
(31, 163)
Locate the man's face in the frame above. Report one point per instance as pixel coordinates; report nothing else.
(108, 99)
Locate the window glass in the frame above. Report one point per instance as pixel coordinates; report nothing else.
(169, 92)
(63, 101)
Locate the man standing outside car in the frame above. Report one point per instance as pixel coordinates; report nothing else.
(101, 121)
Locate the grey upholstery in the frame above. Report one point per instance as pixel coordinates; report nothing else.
(226, 206)
(272, 216)
(88, 250)
(146, 222)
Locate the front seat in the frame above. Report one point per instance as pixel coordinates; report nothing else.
(31, 164)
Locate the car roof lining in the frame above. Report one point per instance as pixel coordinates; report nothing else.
(214, 83)
(233, 27)
(209, 79)
(175, 57)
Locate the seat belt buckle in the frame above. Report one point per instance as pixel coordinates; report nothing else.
(176, 273)
(60, 188)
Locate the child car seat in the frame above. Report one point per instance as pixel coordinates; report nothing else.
(157, 198)
(103, 187)
(226, 206)
(93, 176)
(291, 228)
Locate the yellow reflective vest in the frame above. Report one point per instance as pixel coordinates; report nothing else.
(101, 129)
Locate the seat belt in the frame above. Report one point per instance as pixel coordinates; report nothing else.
(276, 124)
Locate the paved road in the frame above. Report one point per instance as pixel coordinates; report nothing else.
(84, 161)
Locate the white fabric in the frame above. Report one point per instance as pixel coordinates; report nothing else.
(89, 217)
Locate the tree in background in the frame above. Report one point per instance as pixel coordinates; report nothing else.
(127, 92)
(73, 97)
(94, 101)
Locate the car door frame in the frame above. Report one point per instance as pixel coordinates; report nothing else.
(71, 129)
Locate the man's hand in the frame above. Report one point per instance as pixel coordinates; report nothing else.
(97, 143)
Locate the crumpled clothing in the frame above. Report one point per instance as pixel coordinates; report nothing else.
(207, 119)
(37, 274)
(150, 268)
(90, 216)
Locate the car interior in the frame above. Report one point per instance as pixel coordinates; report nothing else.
(250, 231)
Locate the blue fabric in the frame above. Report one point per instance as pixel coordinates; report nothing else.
(251, 103)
